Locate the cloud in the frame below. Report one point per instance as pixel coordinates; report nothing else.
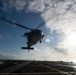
(7, 56)
(36, 5)
(44, 52)
(57, 16)
(65, 48)
(48, 39)
(59, 52)
(13, 4)
(61, 49)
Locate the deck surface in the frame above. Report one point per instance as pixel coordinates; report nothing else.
(18, 67)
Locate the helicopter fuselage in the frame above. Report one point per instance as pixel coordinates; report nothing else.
(33, 37)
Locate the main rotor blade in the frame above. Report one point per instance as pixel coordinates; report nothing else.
(13, 23)
(43, 22)
(40, 25)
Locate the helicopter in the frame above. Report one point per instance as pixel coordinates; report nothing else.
(33, 36)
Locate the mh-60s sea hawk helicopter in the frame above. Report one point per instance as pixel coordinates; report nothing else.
(33, 36)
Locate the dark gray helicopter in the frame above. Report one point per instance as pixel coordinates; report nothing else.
(33, 36)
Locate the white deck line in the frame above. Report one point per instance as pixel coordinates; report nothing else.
(14, 68)
(54, 69)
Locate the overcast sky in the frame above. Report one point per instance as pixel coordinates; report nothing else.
(59, 17)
